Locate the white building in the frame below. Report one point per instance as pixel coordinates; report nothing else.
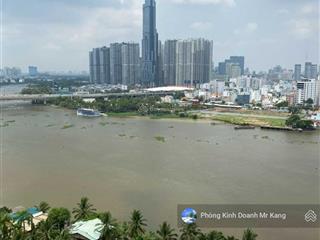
(307, 89)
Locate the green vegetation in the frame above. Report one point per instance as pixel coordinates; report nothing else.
(57, 226)
(39, 88)
(160, 139)
(282, 104)
(295, 121)
(256, 121)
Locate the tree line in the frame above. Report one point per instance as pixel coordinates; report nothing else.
(57, 226)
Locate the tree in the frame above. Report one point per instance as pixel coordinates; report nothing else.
(190, 232)
(294, 109)
(59, 217)
(249, 235)
(136, 224)
(44, 230)
(231, 238)
(296, 122)
(43, 207)
(5, 226)
(109, 227)
(309, 101)
(165, 232)
(282, 104)
(84, 210)
(292, 120)
(215, 236)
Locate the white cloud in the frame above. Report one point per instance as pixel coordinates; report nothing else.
(229, 3)
(302, 28)
(309, 9)
(200, 26)
(251, 27)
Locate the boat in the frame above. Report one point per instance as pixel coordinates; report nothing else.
(244, 127)
(87, 112)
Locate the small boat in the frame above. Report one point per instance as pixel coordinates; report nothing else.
(87, 112)
(244, 127)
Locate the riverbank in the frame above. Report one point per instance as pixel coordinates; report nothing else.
(262, 121)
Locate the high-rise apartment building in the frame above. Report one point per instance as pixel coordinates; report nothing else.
(33, 71)
(297, 72)
(169, 66)
(117, 64)
(99, 59)
(308, 70)
(149, 44)
(193, 61)
(238, 60)
(130, 63)
(307, 89)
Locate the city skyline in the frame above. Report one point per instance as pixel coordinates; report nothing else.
(65, 39)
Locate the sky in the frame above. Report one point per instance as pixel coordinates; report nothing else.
(56, 35)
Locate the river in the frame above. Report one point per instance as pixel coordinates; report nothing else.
(51, 154)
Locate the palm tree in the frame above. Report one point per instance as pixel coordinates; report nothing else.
(249, 235)
(5, 226)
(44, 230)
(109, 229)
(190, 232)
(136, 224)
(84, 209)
(123, 230)
(166, 232)
(231, 238)
(62, 235)
(215, 236)
(43, 207)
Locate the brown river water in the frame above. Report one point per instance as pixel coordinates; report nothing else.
(51, 154)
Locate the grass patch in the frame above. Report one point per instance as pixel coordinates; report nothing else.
(256, 121)
(67, 126)
(160, 139)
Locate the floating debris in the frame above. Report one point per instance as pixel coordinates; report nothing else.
(265, 137)
(122, 135)
(10, 121)
(67, 126)
(171, 127)
(160, 139)
(50, 125)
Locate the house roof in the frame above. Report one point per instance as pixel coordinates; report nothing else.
(88, 229)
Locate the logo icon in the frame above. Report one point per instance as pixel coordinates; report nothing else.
(189, 216)
(310, 216)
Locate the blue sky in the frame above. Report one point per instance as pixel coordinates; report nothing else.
(57, 34)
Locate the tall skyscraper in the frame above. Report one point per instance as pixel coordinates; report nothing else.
(314, 71)
(149, 44)
(116, 63)
(170, 57)
(33, 71)
(238, 60)
(308, 70)
(193, 62)
(130, 63)
(297, 72)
